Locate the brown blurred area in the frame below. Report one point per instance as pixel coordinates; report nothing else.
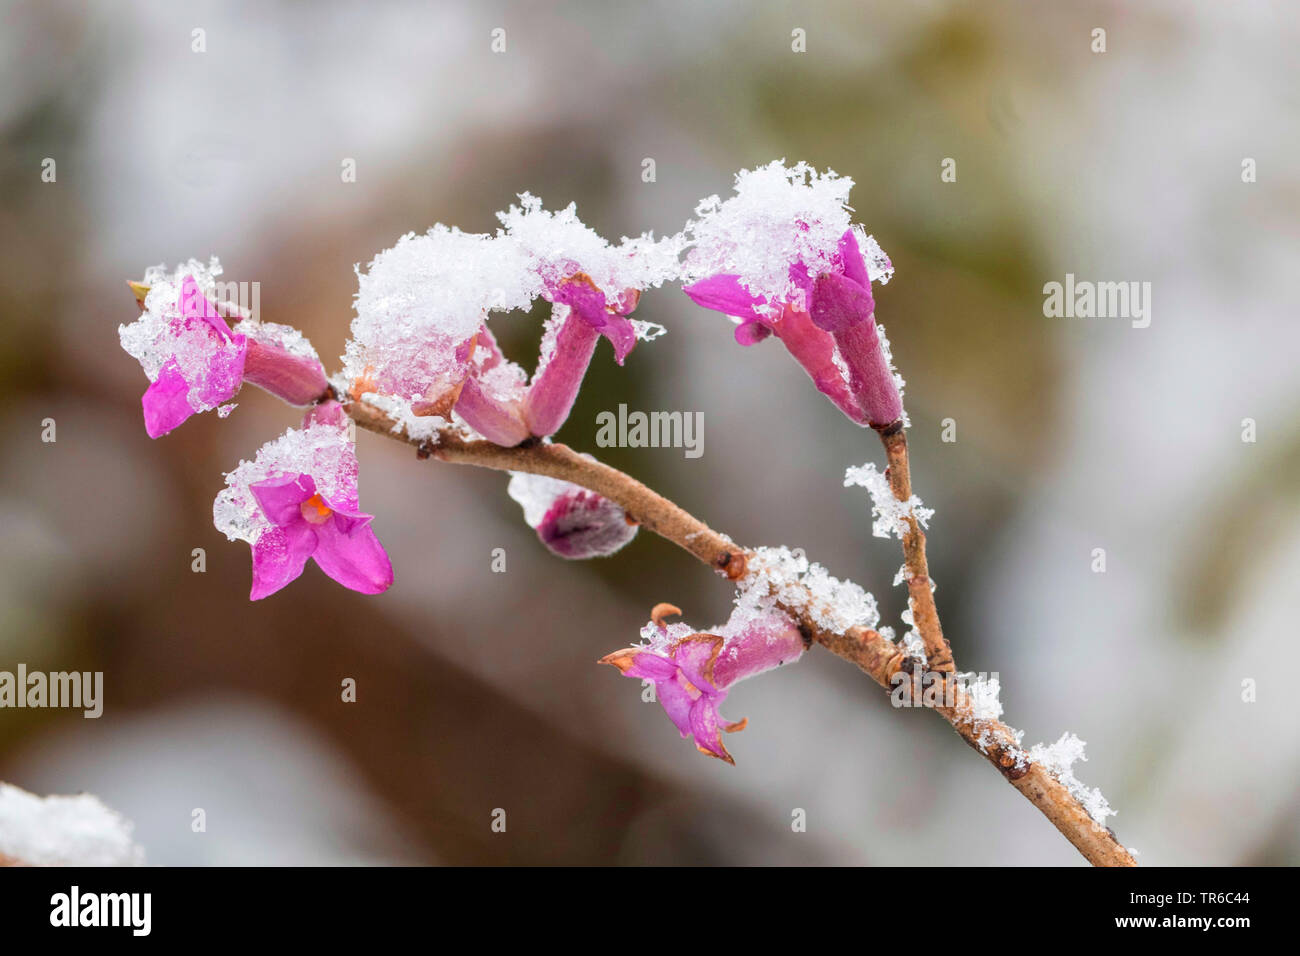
(478, 691)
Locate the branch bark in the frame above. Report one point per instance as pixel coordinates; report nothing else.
(875, 655)
(920, 594)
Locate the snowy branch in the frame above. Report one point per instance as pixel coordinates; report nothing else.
(873, 653)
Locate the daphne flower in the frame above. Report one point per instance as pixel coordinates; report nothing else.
(570, 520)
(593, 286)
(420, 307)
(692, 672)
(782, 259)
(195, 362)
(298, 500)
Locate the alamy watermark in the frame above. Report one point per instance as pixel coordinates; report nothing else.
(931, 689)
(1084, 299)
(651, 430)
(80, 690)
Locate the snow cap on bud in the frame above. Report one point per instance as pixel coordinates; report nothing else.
(570, 520)
(782, 258)
(692, 672)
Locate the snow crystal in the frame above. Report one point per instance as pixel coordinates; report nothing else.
(421, 300)
(1058, 759)
(420, 428)
(152, 339)
(558, 244)
(273, 334)
(779, 216)
(64, 831)
(320, 450)
(891, 514)
(914, 644)
(647, 331)
(984, 692)
(536, 493)
(782, 576)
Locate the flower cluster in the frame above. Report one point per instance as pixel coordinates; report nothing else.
(780, 257)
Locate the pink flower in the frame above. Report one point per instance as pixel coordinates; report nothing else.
(782, 258)
(200, 363)
(420, 338)
(570, 520)
(508, 415)
(298, 500)
(308, 525)
(594, 287)
(196, 363)
(834, 318)
(692, 672)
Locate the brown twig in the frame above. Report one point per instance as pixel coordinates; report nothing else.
(920, 593)
(878, 657)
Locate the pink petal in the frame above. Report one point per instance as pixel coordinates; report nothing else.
(279, 556)
(837, 302)
(499, 422)
(723, 293)
(552, 394)
(677, 703)
(814, 349)
(328, 412)
(589, 302)
(854, 265)
(280, 497)
(193, 304)
(871, 380)
(704, 727)
(165, 401)
(349, 551)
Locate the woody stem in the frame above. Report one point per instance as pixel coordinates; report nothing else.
(877, 656)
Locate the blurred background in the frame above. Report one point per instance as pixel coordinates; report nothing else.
(479, 691)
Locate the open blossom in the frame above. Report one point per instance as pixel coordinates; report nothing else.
(298, 500)
(195, 362)
(692, 672)
(782, 258)
(420, 335)
(570, 520)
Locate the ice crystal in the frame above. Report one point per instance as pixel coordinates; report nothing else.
(890, 514)
(1058, 759)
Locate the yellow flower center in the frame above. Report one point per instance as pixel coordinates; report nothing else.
(314, 510)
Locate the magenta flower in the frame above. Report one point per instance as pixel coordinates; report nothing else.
(196, 363)
(692, 672)
(594, 287)
(308, 525)
(570, 520)
(781, 258)
(193, 361)
(420, 341)
(298, 500)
